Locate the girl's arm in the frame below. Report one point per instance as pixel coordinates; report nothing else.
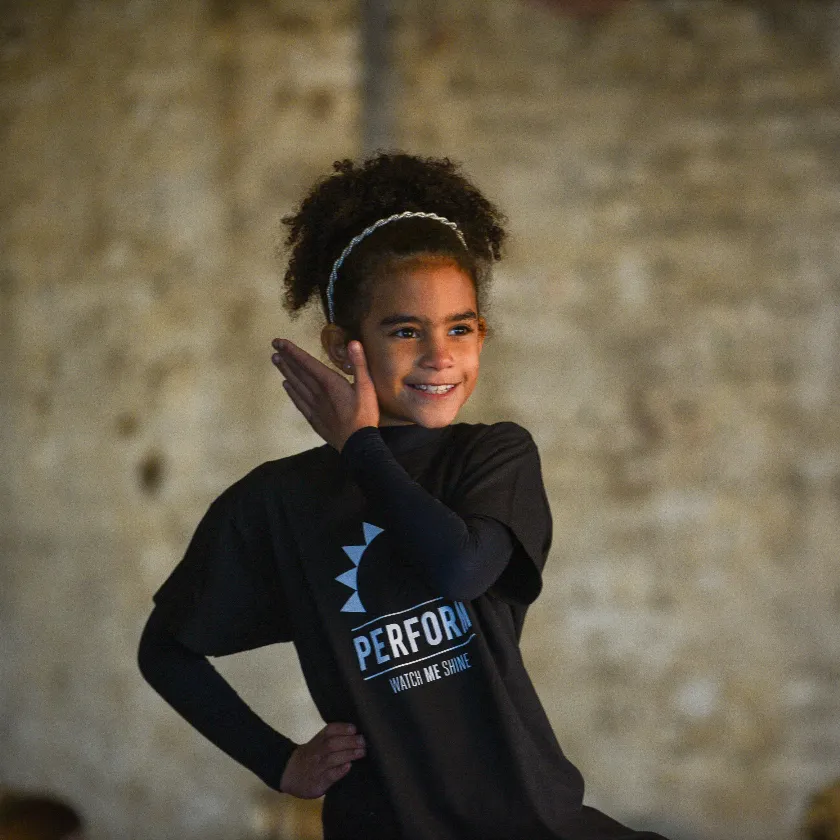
(202, 696)
(460, 556)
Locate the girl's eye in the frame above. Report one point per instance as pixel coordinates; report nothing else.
(412, 332)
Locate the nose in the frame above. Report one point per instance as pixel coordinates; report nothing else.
(436, 355)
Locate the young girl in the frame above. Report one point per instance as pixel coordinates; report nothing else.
(400, 557)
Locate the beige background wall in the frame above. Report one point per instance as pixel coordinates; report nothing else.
(666, 324)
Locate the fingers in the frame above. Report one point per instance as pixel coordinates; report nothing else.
(361, 374)
(337, 773)
(307, 368)
(344, 743)
(338, 729)
(357, 356)
(317, 765)
(301, 400)
(338, 759)
(340, 736)
(367, 404)
(305, 384)
(340, 744)
(323, 396)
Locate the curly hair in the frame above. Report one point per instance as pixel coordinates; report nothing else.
(347, 201)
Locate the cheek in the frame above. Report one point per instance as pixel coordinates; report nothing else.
(471, 362)
(384, 366)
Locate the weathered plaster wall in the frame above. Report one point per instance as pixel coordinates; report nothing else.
(666, 324)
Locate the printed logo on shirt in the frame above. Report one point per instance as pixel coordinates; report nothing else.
(351, 577)
(410, 646)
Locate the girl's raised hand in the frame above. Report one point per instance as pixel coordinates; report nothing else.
(317, 765)
(332, 406)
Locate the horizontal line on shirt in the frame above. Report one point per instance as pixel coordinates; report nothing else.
(400, 612)
(422, 658)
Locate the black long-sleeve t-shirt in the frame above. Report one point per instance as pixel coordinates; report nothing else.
(401, 569)
(459, 557)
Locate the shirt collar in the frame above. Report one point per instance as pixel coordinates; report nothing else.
(401, 439)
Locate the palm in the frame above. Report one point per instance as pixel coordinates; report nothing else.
(315, 766)
(332, 406)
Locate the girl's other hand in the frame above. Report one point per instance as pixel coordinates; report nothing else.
(332, 406)
(317, 765)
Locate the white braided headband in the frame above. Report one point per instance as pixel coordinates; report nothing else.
(367, 232)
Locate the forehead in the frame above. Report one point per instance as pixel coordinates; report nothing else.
(428, 288)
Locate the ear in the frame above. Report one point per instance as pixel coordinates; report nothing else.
(334, 341)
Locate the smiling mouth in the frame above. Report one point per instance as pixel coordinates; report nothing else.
(432, 389)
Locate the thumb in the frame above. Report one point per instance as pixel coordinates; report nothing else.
(360, 368)
(364, 387)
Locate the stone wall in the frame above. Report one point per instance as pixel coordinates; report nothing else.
(666, 323)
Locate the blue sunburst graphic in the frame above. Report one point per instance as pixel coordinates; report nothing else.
(351, 576)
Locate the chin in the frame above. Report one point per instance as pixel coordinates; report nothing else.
(433, 424)
(437, 419)
(427, 419)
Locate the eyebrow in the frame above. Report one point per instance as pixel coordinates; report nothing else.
(402, 318)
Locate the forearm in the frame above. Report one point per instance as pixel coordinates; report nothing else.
(199, 693)
(460, 557)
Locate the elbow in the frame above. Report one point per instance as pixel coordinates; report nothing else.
(459, 571)
(462, 593)
(153, 650)
(145, 654)
(461, 584)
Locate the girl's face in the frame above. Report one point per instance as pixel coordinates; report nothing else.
(422, 338)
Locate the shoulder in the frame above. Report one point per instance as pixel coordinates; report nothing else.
(268, 480)
(475, 438)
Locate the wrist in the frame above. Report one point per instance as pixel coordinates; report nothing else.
(358, 434)
(285, 770)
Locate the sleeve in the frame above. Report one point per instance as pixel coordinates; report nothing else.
(502, 480)
(460, 557)
(226, 595)
(202, 696)
(494, 530)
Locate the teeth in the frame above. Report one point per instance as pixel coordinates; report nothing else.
(434, 389)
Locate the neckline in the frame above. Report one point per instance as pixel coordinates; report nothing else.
(401, 439)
